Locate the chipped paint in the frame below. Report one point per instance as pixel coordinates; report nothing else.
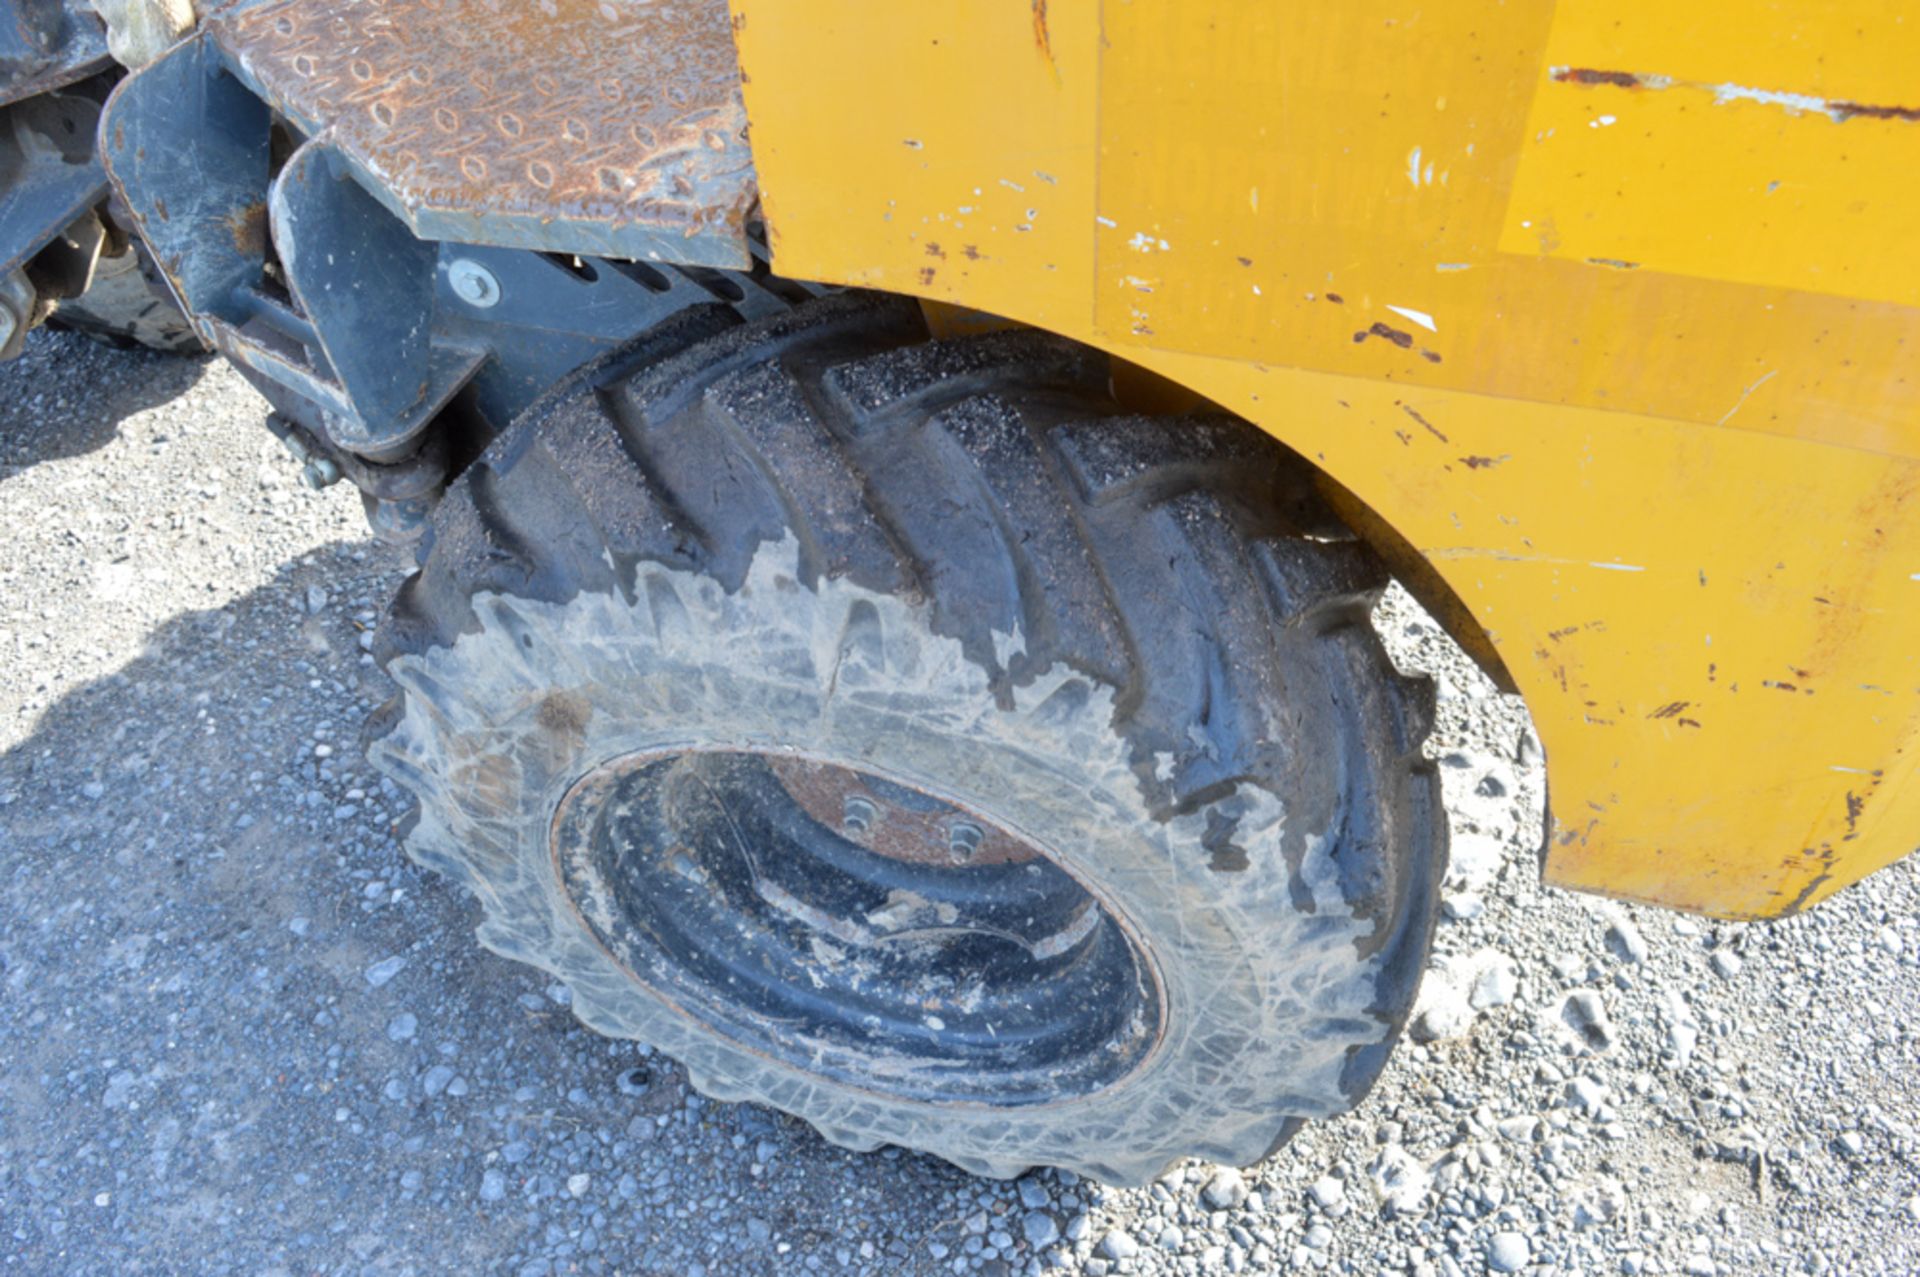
(1419, 317)
(1837, 110)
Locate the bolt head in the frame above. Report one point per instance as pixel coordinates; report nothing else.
(321, 472)
(473, 283)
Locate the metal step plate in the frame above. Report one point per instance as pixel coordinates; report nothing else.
(608, 128)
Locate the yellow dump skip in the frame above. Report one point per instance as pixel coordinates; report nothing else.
(1656, 424)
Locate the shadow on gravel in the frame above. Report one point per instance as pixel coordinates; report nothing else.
(239, 1031)
(66, 394)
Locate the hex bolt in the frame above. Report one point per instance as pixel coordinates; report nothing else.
(857, 816)
(320, 472)
(473, 283)
(963, 840)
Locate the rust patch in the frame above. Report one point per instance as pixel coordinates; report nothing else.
(1385, 333)
(1336, 299)
(926, 274)
(1431, 356)
(916, 834)
(971, 252)
(1614, 262)
(1483, 463)
(1827, 855)
(1850, 110)
(1041, 39)
(248, 227)
(1687, 722)
(934, 250)
(1587, 75)
(1670, 710)
(1777, 685)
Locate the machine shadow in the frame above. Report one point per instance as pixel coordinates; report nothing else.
(66, 394)
(242, 887)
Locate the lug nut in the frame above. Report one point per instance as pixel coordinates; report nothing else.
(963, 840)
(857, 815)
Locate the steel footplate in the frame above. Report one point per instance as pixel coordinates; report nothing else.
(598, 127)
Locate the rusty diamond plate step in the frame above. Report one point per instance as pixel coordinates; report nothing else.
(608, 128)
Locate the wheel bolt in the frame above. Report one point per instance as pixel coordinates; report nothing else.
(857, 815)
(963, 840)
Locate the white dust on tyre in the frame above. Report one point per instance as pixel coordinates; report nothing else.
(498, 725)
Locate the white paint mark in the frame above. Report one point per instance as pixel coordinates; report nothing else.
(1106, 221)
(1724, 93)
(1601, 122)
(1413, 167)
(1914, 577)
(1141, 242)
(1048, 178)
(1426, 174)
(1448, 266)
(1851, 771)
(1419, 317)
(1793, 103)
(1256, 290)
(1013, 185)
(1617, 567)
(1764, 379)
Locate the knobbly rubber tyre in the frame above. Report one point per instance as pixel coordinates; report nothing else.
(1138, 645)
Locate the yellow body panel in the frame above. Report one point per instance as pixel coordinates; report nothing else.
(1655, 420)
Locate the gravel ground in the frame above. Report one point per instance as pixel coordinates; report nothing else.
(240, 1032)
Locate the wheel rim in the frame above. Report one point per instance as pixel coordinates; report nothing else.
(855, 927)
